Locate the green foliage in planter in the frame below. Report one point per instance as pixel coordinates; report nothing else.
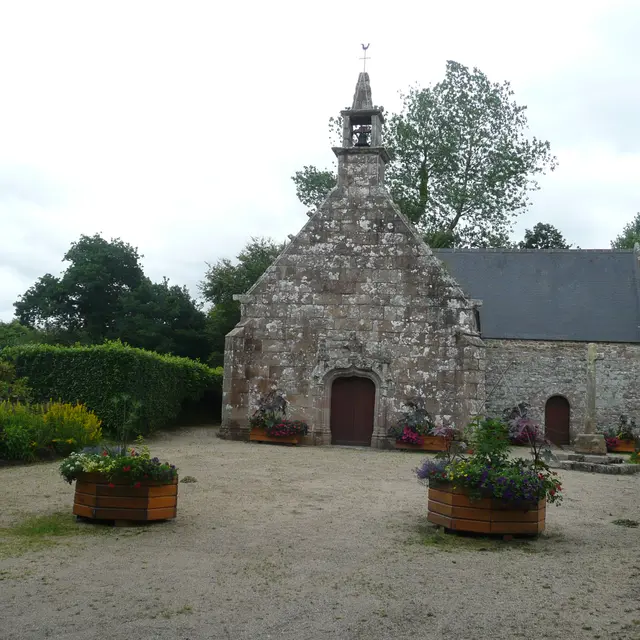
(415, 420)
(94, 375)
(135, 464)
(488, 471)
(271, 416)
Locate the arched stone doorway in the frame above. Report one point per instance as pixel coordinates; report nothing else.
(353, 402)
(557, 420)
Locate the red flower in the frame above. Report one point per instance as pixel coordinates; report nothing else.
(137, 485)
(112, 485)
(104, 453)
(127, 468)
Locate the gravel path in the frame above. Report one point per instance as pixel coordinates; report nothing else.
(306, 543)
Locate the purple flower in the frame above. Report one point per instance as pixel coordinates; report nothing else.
(430, 468)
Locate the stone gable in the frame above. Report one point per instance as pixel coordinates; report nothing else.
(356, 292)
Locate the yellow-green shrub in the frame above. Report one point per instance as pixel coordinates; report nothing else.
(28, 432)
(72, 421)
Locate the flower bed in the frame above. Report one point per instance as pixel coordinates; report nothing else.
(424, 443)
(269, 424)
(481, 492)
(617, 445)
(99, 497)
(621, 439)
(416, 431)
(457, 509)
(280, 435)
(122, 484)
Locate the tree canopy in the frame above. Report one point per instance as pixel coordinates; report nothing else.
(462, 165)
(630, 235)
(13, 334)
(543, 236)
(104, 295)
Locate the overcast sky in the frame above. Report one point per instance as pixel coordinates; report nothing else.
(176, 126)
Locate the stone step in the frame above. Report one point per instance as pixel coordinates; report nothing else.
(583, 457)
(594, 467)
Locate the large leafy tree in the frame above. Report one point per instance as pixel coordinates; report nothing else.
(630, 235)
(103, 295)
(543, 236)
(164, 318)
(86, 300)
(224, 279)
(13, 333)
(313, 185)
(462, 165)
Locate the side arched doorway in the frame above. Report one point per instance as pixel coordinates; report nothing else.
(353, 402)
(557, 418)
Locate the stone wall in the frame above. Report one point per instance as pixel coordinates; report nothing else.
(535, 370)
(356, 292)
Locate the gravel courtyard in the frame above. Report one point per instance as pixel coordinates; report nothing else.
(306, 543)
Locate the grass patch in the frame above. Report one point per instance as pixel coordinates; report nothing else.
(436, 537)
(623, 522)
(40, 532)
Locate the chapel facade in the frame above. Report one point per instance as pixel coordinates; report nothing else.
(358, 316)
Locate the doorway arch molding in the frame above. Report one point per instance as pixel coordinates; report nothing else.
(357, 372)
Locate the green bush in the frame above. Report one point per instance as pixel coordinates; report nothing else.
(94, 375)
(13, 388)
(28, 432)
(19, 424)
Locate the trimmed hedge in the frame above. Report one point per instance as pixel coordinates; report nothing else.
(93, 375)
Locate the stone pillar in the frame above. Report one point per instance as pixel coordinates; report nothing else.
(589, 441)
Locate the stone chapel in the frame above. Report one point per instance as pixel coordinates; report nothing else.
(358, 316)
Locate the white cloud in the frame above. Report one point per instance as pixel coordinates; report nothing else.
(177, 126)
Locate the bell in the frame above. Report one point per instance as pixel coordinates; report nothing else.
(363, 141)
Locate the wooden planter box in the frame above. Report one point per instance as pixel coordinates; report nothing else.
(96, 500)
(429, 443)
(623, 446)
(261, 435)
(455, 510)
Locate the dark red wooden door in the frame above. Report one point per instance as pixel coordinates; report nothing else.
(557, 416)
(352, 405)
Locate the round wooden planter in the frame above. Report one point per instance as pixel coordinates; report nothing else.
(261, 435)
(455, 510)
(96, 500)
(429, 443)
(623, 446)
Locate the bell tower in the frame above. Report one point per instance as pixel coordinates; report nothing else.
(361, 158)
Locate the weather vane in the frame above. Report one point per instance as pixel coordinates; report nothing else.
(364, 59)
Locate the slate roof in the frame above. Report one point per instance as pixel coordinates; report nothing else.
(581, 295)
